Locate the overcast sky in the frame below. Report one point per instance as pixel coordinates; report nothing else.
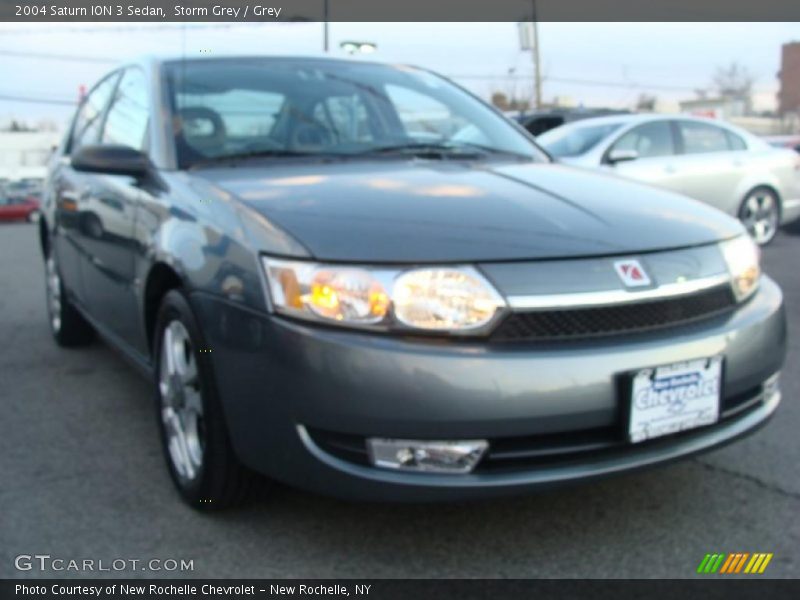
(593, 64)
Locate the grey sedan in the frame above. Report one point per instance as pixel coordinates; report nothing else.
(711, 161)
(362, 280)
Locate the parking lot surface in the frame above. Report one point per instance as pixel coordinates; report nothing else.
(83, 478)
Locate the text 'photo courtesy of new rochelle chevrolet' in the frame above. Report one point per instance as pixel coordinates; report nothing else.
(323, 305)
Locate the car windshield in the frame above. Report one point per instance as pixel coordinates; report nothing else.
(290, 107)
(574, 140)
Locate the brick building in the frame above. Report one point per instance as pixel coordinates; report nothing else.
(789, 75)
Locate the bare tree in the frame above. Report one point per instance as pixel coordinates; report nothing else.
(500, 100)
(646, 102)
(734, 82)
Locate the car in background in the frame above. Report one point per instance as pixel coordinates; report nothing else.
(711, 161)
(16, 208)
(784, 141)
(537, 122)
(27, 187)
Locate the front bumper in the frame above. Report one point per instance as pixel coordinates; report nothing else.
(790, 210)
(281, 381)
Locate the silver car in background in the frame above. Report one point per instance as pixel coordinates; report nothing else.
(711, 161)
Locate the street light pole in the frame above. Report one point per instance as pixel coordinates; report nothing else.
(536, 64)
(325, 25)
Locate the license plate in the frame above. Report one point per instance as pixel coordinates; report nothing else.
(674, 398)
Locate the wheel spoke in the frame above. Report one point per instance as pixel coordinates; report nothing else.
(194, 450)
(193, 400)
(760, 229)
(189, 375)
(169, 355)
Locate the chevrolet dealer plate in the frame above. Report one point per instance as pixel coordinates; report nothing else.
(674, 398)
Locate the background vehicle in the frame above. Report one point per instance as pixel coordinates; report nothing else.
(16, 208)
(539, 121)
(710, 161)
(23, 188)
(784, 141)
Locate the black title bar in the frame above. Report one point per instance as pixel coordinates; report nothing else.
(717, 588)
(398, 10)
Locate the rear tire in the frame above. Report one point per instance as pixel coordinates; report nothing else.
(194, 436)
(67, 325)
(760, 213)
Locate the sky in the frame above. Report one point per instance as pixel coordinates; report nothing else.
(590, 64)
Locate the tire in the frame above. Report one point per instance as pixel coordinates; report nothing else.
(33, 216)
(760, 213)
(67, 325)
(194, 437)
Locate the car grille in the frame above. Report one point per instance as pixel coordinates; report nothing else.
(574, 323)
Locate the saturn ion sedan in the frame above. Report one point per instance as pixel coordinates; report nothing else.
(361, 280)
(708, 160)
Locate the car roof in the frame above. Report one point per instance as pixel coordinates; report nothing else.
(638, 118)
(150, 62)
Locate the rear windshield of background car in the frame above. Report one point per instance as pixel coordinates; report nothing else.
(574, 140)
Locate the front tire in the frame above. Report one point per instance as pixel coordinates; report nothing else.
(760, 213)
(67, 325)
(194, 436)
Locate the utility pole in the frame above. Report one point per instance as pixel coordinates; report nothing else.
(529, 40)
(537, 67)
(325, 25)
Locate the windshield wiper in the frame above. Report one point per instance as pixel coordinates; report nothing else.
(270, 153)
(442, 150)
(432, 149)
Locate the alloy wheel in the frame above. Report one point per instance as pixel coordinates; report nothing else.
(53, 293)
(760, 215)
(181, 402)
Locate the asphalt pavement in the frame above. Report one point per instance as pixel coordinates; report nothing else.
(82, 478)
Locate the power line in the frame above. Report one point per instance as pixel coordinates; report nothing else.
(46, 56)
(37, 100)
(589, 82)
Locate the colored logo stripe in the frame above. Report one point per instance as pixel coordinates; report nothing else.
(758, 563)
(710, 563)
(735, 563)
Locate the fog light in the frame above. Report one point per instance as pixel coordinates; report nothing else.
(771, 386)
(456, 456)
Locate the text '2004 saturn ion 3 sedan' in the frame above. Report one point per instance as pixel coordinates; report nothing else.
(361, 280)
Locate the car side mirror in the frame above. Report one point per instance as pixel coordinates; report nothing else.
(112, 160)
(617, 156)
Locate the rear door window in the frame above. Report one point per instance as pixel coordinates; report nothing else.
(649, 140)
(702, 138)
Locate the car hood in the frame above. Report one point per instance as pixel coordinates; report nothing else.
(446, 211)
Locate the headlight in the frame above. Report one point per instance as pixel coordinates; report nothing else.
(443, 299)
(742, 256)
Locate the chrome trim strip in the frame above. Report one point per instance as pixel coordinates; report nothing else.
(611, 297)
